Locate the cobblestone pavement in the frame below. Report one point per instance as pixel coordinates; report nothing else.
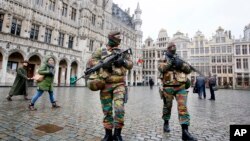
(81, 116)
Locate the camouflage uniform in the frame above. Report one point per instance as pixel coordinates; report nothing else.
(114, 88)
(174, 84)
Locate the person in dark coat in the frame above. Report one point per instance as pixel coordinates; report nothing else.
(212, 83)
(151, 83)
(200, 85)
(48, 70)
(19, 86)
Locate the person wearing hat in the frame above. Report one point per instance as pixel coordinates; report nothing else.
(113, 88)
(19, 86)
(48, 71)
(173, 74)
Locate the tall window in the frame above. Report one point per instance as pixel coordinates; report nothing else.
(230, 69)
(237, 49)
(229, 49)
(213, 59)
(224, 59)
(11, 65)
(91, 45)
(192, 51)
(202, 50)
(206, 50)
(213, 69)
(71, 41)
(223, 40)
(212, 49)
(244, 49)
(218, 69)
(224, 69)
(15, 27)
(217, 49)
(73, 14)
(1, 21)
(61, 39)
(218, 59)
(238, 63)
(93, 19)
(245, 63)
(34, 32)
(64, 9)
(223, 49)
(229, 59)
(239, 79)
(48, 33)
(52, 5)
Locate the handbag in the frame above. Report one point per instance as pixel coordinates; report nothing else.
(215, 88)
(195, 90)
(38, 78)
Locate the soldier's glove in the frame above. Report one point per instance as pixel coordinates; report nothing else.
(107, 67)
(119, 62)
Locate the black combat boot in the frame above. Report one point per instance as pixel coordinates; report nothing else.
(9, 98)
(166, 126)
(108, 135)
(186, 136)
(117, 135)
(54, 105)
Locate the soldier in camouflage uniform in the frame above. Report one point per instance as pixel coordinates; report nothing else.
(114, 88)
(174, 82)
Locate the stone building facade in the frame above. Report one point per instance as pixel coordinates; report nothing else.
(68, 30)
(222, 55)
(241, 60)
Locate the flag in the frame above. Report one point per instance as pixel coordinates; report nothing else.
(140, 61)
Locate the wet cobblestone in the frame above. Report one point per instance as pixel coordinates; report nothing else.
(81, 116)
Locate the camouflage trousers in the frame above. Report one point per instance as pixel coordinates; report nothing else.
(113, 92)
(180, 95)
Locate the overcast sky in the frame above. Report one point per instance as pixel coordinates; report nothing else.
(189, 16)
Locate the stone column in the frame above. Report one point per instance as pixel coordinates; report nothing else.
(4, 68)
(68, 74)
(131, 77)
(56, 73)
(126, 79)
(41, 33)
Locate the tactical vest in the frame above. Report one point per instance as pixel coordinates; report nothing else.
(174, 78)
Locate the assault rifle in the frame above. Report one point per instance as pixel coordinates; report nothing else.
(107, 61)
(175, 57)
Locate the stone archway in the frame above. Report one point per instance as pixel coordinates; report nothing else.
(62, 72)
(73, 72)
(35, 63)
(14, 61)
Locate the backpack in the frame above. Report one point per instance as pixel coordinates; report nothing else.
(212, 81)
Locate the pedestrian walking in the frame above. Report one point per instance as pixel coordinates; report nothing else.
(151, 83)
(48, 72)
(201, 86)
(20, 86)
(212, 84)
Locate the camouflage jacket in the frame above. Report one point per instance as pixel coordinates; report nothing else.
(117, 74)
(171, 76)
